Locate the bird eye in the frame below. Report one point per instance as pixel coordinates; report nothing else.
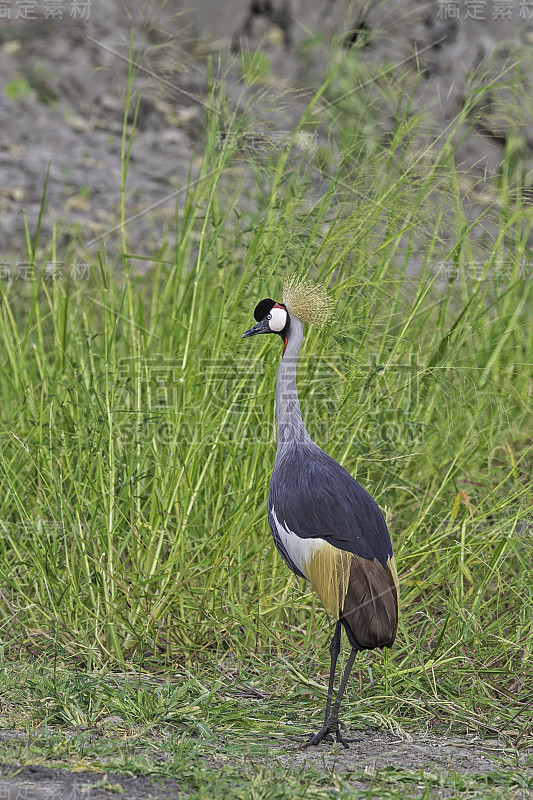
(269, 316)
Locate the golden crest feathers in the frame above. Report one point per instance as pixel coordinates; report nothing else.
(306, 300)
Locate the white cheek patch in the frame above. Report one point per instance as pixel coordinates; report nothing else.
(279, 319)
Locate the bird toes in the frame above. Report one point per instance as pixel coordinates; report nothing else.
(325, 734)
(343, 739)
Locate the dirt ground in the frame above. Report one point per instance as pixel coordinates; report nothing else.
(63, 84)
(41, 783)
(378, 749)
(374, 751)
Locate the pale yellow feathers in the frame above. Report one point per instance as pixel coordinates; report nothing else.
(328, 569)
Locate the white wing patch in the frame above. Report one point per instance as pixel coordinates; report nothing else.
(300, 551)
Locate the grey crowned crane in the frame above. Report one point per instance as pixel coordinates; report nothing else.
(326, 527)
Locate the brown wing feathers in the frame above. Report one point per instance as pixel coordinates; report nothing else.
(371, 604)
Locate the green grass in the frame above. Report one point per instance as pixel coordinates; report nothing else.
(138, 436)
(214, 729)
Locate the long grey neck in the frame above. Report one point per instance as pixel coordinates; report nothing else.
(291, 429)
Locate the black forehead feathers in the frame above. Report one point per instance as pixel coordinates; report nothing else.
(262, 308)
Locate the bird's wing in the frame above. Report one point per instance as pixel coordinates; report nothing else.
(313, 497)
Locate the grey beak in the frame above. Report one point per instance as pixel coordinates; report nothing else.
(261, 327)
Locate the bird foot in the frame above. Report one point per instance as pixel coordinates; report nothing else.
(331, 726)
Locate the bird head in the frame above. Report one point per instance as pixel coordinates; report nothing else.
(271, 317)
(301, 298)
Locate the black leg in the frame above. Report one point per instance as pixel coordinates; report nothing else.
(337, 704)
(334, 650)
(332, 724)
